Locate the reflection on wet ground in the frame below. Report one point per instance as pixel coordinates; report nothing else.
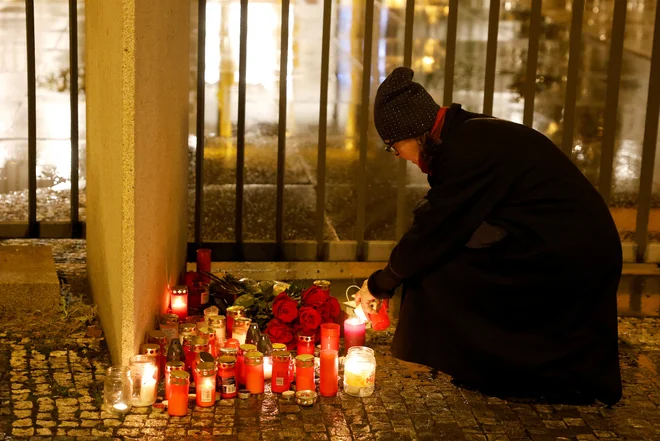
(344, 105)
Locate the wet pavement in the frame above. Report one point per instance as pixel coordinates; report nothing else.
(51, 383)
(303, 109)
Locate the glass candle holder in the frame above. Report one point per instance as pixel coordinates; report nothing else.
(205, 384)
(281, 376)
(169, 324)
(240, 362)
(305, 372)
(354, 332)
(254, 372)
(179, 301)
(143, 373)
(204, 263)
(170, 367)
(305, 344)
(360, 371)
(240, 329)
(187, 329)
(179, 389)
(226, 381)
(330, 336)
(329, 373)
(233, 312)
(153, 350)
(117, 390)
(209, 334)
(219, 324)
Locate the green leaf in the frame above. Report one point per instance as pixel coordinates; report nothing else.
(246, 300)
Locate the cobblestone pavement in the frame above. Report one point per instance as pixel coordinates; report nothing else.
(51, 387)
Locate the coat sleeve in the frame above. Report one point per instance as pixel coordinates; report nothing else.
(472, 180)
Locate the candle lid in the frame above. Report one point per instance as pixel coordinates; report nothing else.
(248, 347)
(229, 352)
(279, 347)
(188, 327)
(243, 321)
(305, 338)
(325, 284)
(198, 344)
(281, 355)
(206, 368)
(180, 289)
(288, 395)
(226, 361)
(254, 356)
(244, 394)
(169, 319)
(235, 309)
(305, 360)
(151, 349)
(205, 357)
(215, 319)
(206, 332)
(157, 335)
(179, 375)
(175, 365)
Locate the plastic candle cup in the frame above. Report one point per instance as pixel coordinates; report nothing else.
(305, 344)
(204, 263)
(179, 388)
(240, 362)
(219, 324)
(205, 384)
(240, 329)
(209, 334)
(233, 312)
(143, 372)
(254, 372)
(226, 381)
(281, 380)
(305, 372)
(329, 373)
(170, 367)
(169, 324)
(360, 372)
(354, 331)
(197, 346)
(179, 301)
(330, 336)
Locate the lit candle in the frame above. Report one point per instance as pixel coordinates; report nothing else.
(305, 344)
(179, 301)
(121, 407)
(170, 367)
(254, 372)
(205, 384)
(354, 330)
(281, 371)
(179, 388)
(329, 373)
(240, 329)
(143, 371)
(360, 372)
(330, 336)
(233, 312)
(148, 386)
(268, 368)
(240, 362)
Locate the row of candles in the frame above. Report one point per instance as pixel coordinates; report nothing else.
(223, 354)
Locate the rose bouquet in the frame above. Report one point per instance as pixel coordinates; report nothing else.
(291, 317)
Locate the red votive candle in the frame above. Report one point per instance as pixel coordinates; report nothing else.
(281, 379)
(232, 343)
(233, 312)
(305, 344)
(179, 388)
(179, 301)
(240, 362)
(171, 366)
(354, 330)
(226, 381)
(205, 384)
(204, 263)
(305, 372)
(254, 372)
(209, 334)
(329, 375)
(330, 336)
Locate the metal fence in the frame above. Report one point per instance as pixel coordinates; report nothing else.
(360, 249)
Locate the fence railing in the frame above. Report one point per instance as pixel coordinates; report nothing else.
(359, 248)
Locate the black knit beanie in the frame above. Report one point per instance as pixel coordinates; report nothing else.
(403, 109)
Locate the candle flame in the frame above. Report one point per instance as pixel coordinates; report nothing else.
(355, 321)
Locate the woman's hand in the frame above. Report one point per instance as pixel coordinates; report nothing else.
(363, 297)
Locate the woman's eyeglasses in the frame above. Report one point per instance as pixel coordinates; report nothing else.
(389, 148)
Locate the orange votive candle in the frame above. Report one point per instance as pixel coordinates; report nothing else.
(330, 336)
(305, 372)
(205, 384)
(329, 373)
(254, 372)
(179, 388)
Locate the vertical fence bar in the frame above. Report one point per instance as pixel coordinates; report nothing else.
(364, 128)
(240, 142)
(572, 77)
(323, 127)
(401, 214)
(281, 129)
(199, 152)
(532, 62)
(73, 68)
(450, 53)
(612, 99)
(491, 55)
(33, 227)
(649, 146)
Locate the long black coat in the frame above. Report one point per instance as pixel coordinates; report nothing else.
(511, 267)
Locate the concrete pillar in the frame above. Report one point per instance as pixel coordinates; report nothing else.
(137, 128)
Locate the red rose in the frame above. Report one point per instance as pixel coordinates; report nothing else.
(279, 332)
(285, 308)
(330, 310)
(314, 296)
(310, 319)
